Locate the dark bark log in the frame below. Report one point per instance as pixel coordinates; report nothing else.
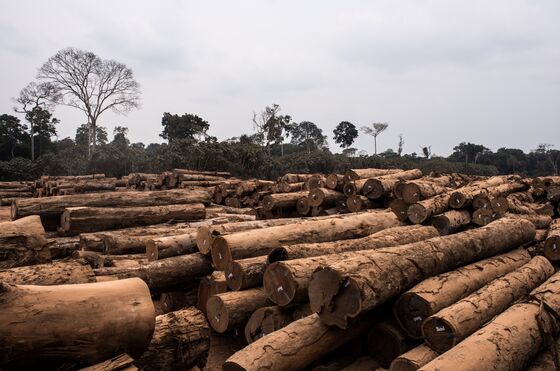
(166, 247)
(266, 320)
(122, 362)
(451, 221)
(209, 286)
(552, 243)
(282, 200)
(23, 242)
(387, 341)
(414, 359)
(246, 273)
(55, 273)
(232, 309)
(324, 197)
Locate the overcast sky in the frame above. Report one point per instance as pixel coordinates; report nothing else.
(440, 72)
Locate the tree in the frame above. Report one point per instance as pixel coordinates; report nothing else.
(345, 133)
(349, 152)
(187, 126)
(307, 134)
(33, 97)
(271, 127)
(11, 132)
(427, 151)
(43, 127)
(552, 156)
(120, 136)
(93, 85)
(82, 135)
(375, 129)
(401, 145)
(467, 152)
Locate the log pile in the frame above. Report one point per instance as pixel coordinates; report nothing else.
(167, 280)
(10, 191)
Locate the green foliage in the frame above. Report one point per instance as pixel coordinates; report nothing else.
(345, 133)
(12, 134)
(82, 131)
(308, 135)
(468, 152)
(187, 126)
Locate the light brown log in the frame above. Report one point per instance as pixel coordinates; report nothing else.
(77, 220)
(438, 292)
(548, 295)
(251, 243)
(378, 187)
(452, 324)
(508, 342)
(546, 360)
(122, 362)
(56, 273)
(354, 187)
(165, 274)
(279, 350)
(23, 242)
(414, 359)
(421, 211)
(354, 174)
(51, 326)
(295, 178)
(540, 221)
(209, 286)
(181, 340)
(495, 186)
(292, 187)
(451, 221)
(177, 172)
(324, 197)
(387, 341)
(552, 243)
(165, 247)
(421, 189)
(229, 310)
(266, 320)
(302, 206)
(51, 208)
(357, 203)
(347, 288)
(286, 282)
(400, 208)
(245, 273)
(335, 181)
(316, 181)
(282, 200)
(121, 244)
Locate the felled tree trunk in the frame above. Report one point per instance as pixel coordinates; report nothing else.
(464, 196)
(166, 247)
(421, 211)
(209, 286)
(552, 243)
(347, 288)
(266, 320)
(122, 362)
(354, 174)
(438, 292)
(325, 197)
(282, 200)
(246, 273)
(92, 219)
(452, 324)
(229, 310)
(414, 358)
(380, 186)
(387, 341)
(260, 242)
(23, 242)
(418, 190)
(69, 328)
(335, 181)
(56, 273)
(181, 340)
(63, 247)
(451, 221)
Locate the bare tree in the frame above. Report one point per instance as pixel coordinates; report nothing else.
(427, 151)
(375, 129)
(401, 144)
(92, 85)
(32, 97)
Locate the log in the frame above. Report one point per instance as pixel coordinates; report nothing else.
(68, 328)
(438, 292)
(122, 362)
(245, 273)
(279, 351)
(421, 189)
(163, 275)
(451, 221)
(166, 247)
(451, 325)
(251, 243)
(354, 187)
(23, 242)
(540, 221)
(63, 247)
(302, 206)
(266, 320)
(181, 340)
(387, 341)
(282, 200)
(56, 273)
(51, 208)
(347, 288)
(508, 342)
(354, 174)
(546, 360)
(364, 363)
(77, 220)
(378, 187)
(547, 295)
(316, 181)
(324, 197)
(421, 211)
(209, 286)
(14, 194)
(287, 282)
(224, 174)
(414, 359)
(494, 186)
(335, 181)
(485, 216)
(357, 203)
(229, 310)
(552, 243)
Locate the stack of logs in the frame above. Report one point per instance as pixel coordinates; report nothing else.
(9, 191)
(178, 178)
(79, 184)
(167, 280)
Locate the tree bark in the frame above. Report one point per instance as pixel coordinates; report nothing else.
(324, 197)
(51, 208)
(546, 359)
(245, 273)
(552, 243)
(451, 221)
(260, 242)
(508, 342)
(266, 320)
(446, 328)
(231, 309)
(354, 174)
(166, 247)
(495, 186)
(209, 286)
(287, 282)
(438, 292)
(63, 247)
(122, 362)
(23, 242)
(77, 220)
(414, 359)
(55, 273)
(279, 351)
(166, 274)
(378, 187)
(421, 211)
(181, 340)
(347, 288)
(47, 327)
(282, 200)
(387, 341)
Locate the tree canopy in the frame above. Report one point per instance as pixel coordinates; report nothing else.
(187, 126)
(345, 134)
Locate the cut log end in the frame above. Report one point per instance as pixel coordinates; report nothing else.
(552, 248)
(303, 206)
(279, 284)
(354, 203)
(217, 314)
(268, 203)
(411, 193)
(457, 200)
(417, 213)
(221, 254)
(400, 208)
(350, 189)
(373, 189)
(411, 310)
(331, 181)
(276, 255)
(152, 252)
(235, 276)
(439, 334)
(203, 239)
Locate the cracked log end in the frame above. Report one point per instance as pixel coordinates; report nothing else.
(373, 189)
(411, 193)
(439, 334)
(334, 298)
(221, 253)
(410, 311)
(350, 189)
(279, 284)
(418, 214)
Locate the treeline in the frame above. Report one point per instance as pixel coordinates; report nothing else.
(245, 156)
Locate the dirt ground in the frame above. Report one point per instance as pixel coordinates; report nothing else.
(4, 213)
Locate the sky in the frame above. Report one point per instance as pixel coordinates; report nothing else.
(439, 72)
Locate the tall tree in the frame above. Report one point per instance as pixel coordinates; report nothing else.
(271, 127)
(43, 126)
(120, 136)
(33, 97)
(308, 135)
(467, 152)
(401, 145)
(82, 135)
(345, 133)
(12, 132)
(92, 85)
(187, 126)
(375, 129)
